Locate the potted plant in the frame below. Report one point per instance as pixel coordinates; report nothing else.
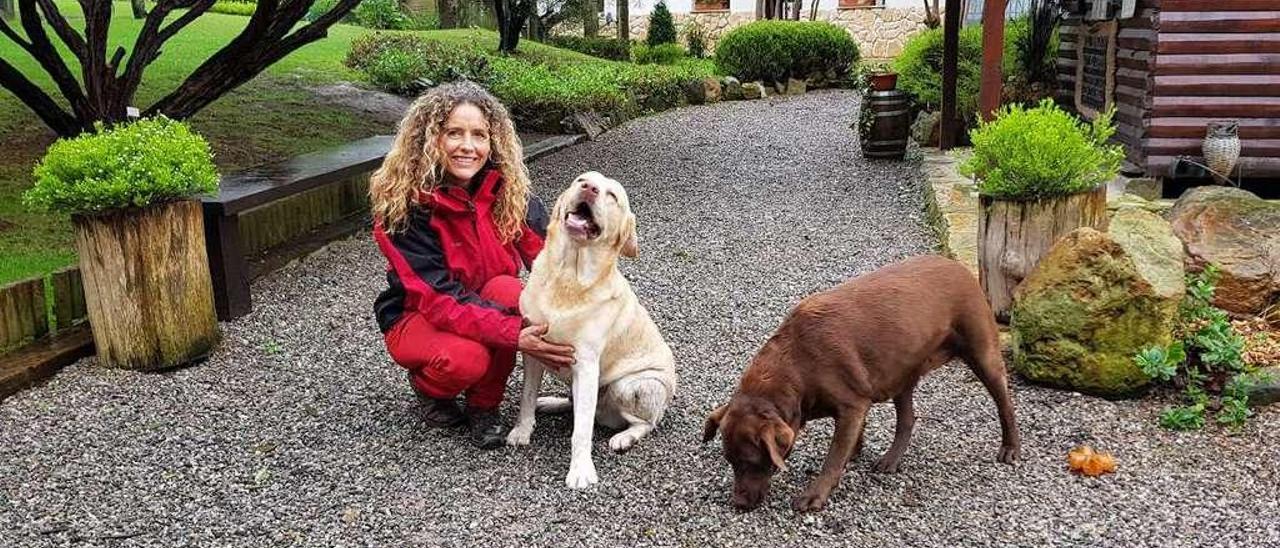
(1041, 173)
(882, 78)
(140, 237)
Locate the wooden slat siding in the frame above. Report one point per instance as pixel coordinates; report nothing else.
(1220, 21)
(1229, 107)
(1185, 127)
(1206, 43)
(1219, 85)
(1249, 166)
(1264, 148)
(1228, 63)
(1219, 5)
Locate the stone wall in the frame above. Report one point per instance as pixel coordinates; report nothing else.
(880, 33)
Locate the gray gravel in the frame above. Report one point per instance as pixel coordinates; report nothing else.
(299, 431)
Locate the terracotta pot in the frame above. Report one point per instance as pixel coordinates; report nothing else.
(883, 81)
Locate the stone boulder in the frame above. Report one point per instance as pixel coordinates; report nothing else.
(711, 90)
(1094, 302)
(796, 87)
(1267, 391)
(732, 89)
(753, 90)
(1240, 233)
(1133, 201)
(926, 129)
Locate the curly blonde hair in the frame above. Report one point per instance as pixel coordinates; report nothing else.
(415, 164)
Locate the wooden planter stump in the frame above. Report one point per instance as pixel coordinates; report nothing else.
(147, 285)
(1014, 235)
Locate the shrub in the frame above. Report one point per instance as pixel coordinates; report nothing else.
(1041, 152)
(696, 37)
(919, 69)
(233, 7)
(380, 14)
(777, 50)
(662, 28)
(595, 46)
(405, 63)
(321, 7)
(146, 162)
(662, 54)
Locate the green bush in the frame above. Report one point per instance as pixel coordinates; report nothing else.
(233, 7)
(919, 69)
(662, 28)
(1041, 152)
(777, 50)
(595, 46)
(661, 54)
(146, 162)
(404, 63)
(380, 14)
(696, 37)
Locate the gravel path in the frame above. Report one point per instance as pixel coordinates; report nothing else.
(300, 432)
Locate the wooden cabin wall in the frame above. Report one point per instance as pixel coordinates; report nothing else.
(1135, 41)
(1217, 59)
(1181, 64)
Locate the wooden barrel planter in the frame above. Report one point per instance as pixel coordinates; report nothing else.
(147, 286)
(890, 113)
(1013, 235)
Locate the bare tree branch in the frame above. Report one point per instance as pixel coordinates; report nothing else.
(11, 35)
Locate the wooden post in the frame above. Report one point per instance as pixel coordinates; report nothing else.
(950, 55)
(1014, 235)
(229, 272)
(146, 284)
(992, 53)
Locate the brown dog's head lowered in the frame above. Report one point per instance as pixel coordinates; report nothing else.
(595, 211)
(756, 444)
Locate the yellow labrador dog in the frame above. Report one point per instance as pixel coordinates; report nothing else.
(624, 376)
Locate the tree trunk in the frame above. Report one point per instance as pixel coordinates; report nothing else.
(147, 286)
(624, 21)
(139, 8)
(1014, 235)
(795, 10)
(590, 18)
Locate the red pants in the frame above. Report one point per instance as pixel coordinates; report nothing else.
(443, 365)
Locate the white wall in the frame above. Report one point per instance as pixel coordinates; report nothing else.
(642, 7)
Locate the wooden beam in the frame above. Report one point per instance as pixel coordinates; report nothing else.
(1221, 21)
(992, 53)
(1218, 5)
(1223, 85)
(949, 129)
(1209, 43)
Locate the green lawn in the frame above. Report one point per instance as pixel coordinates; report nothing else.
(272, 117)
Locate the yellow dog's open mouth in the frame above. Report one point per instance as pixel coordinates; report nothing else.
(581, 222)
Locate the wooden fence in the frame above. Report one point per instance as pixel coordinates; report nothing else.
(31, 309)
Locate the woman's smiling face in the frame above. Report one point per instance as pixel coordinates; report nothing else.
(464, 139)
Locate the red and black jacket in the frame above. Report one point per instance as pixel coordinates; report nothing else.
(448, 250)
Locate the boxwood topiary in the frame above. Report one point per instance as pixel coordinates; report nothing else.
(775, 50)
(150, 161)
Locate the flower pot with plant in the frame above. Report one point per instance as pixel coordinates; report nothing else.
(140, 238)
(1041, 173)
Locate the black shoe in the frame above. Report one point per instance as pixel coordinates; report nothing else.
(440, 412)
(487, 431)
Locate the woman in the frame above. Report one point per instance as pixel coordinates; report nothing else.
(455, 218)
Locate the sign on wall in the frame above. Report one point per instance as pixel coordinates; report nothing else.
(1096, 68)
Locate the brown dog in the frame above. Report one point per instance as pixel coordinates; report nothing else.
(867, 340)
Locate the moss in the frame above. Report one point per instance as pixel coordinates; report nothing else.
(1081, 317)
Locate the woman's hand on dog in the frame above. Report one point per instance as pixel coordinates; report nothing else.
(556, 356)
